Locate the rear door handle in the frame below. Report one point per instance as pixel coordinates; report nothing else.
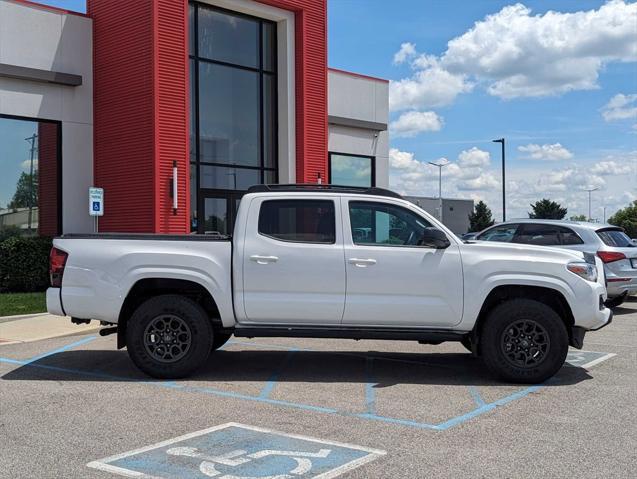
(362, 263)
(263, 259)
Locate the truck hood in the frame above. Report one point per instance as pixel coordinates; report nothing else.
(539, 252)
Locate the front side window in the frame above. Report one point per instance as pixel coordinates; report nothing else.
(300, 221)
(502, 233)
(385, 224)
(351, 170)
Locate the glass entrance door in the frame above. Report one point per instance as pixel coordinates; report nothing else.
(218, 212)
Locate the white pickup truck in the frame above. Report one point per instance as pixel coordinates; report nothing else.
(329, 262)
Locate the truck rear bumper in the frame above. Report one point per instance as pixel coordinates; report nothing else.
(54, 302)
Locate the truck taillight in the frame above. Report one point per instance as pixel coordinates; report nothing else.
(610, 256)
(57, 261)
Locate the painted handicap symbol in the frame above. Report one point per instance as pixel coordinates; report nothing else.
(240, 457)
(239, 451)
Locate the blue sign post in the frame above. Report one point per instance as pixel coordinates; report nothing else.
(96, 204)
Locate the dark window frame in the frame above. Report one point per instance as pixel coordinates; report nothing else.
(59, 160)
(329, 165)
(378, 204)
(332, 204)
(196, 59)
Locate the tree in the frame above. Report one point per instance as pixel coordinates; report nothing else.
(546, 209)
(626, 218)
(480, 218)
(578, 218)
(26, 192)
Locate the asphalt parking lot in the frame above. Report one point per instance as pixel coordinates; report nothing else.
(77, 407)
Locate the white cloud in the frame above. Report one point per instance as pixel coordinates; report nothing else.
(517, 54)
(407, 51)
(411, 123)
(485, 181)
(26, 165)
(620, 107)
(474, 157)
(554, 152)
(430, 86)
(608, 168)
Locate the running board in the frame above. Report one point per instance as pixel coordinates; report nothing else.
(407, 334)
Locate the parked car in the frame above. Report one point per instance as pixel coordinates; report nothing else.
(616, 250)
(328, 262)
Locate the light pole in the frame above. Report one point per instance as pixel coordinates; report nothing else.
(590, 190)
(32, 141)
(440, 167)
(504, 208)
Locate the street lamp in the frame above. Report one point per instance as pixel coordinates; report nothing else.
(504, 209)
(440, 167)
(590, 190)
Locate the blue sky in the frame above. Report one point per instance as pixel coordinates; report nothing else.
(559, 85)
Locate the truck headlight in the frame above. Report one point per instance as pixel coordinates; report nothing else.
(583, 270)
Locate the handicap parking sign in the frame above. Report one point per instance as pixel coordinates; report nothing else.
(237, 451)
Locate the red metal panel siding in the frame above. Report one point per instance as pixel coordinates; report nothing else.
(124, 145)
(141, 106)
(311, 86)
(171, 116)
(48, 179)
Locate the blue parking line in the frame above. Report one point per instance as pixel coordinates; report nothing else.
(274, 378)
(63, 348)
(477, 398)
(370, 393)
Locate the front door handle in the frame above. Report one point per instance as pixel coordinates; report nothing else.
(259, 259)
(362, 263)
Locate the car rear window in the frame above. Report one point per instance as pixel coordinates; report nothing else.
(615, 237)
(304, 221)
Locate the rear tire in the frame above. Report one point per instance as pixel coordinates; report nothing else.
(524, 341)
(169, 336)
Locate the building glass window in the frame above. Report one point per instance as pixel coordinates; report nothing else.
(351, 170)
(30, 184)
(233, 91)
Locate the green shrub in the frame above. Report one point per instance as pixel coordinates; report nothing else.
(24, 263)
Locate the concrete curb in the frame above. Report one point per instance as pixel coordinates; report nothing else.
(42, 326)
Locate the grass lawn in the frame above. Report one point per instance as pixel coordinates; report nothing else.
(22, 303)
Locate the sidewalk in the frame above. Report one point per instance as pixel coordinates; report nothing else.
(29, 328)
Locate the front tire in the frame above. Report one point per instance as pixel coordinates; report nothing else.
(169, 336)
(524, 341)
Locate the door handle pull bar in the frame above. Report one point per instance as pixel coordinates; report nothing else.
(259, 259)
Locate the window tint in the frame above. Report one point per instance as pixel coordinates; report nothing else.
(384, 224)
(570, 237)
(538, 234)
(615, 238)
(502, 233)
(307, 221)
(351, 170)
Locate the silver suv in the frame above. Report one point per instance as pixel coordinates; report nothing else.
(616, 250)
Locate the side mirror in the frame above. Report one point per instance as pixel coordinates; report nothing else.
(434, 238)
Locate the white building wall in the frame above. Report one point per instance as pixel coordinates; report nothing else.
(43, 39)
(358, 110)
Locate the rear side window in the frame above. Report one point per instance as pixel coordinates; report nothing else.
(570, 237)
(615, 237)
(538, 234)
(502, 233)
(301, 221)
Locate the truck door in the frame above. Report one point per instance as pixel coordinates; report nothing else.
(391, 279)
(293, 265)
